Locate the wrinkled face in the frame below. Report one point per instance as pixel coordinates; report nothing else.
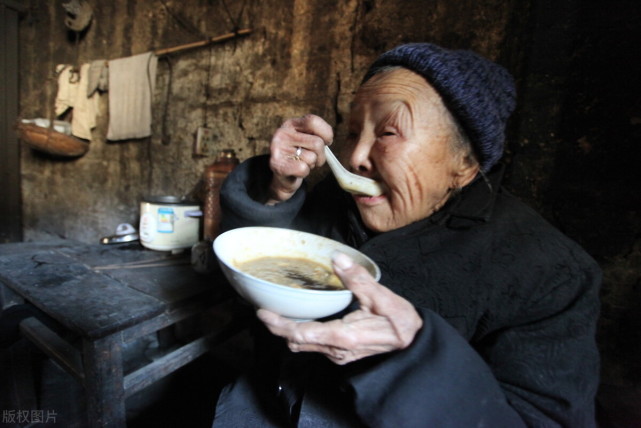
(400, 134)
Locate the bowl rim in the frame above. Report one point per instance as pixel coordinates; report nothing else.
(295, 290)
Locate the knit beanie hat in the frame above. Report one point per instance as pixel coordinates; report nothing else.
(479, 93)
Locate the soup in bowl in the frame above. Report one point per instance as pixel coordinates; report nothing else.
(287, 271)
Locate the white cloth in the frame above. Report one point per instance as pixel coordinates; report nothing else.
(72, 93)
(98, 77)
(131, 87)
(67, 88)
(85, 109)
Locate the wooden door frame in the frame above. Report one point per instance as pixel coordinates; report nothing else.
(10, 186)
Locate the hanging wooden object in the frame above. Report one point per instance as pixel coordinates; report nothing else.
(217, 39)
(50, 141)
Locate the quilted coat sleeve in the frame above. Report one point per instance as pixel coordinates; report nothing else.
(243, 193)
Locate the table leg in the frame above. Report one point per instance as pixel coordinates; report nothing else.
(104, 382)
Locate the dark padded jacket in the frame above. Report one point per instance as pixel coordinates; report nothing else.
(509, 304)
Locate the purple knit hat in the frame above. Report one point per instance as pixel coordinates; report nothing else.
(478, 92)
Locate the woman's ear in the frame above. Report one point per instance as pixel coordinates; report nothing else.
(466, 171)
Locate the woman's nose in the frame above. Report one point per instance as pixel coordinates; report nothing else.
(360, 160)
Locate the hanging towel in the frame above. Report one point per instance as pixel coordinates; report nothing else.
(98, 77)
(85, 109)
(131, 87)
(67, 88)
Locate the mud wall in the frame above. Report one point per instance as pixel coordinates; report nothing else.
(301, 56)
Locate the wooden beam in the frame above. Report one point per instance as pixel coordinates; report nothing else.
(174, 360)
(217, 39)
(54, 346)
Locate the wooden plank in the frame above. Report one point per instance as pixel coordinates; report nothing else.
(104, 385)
(171, 284)
(166, 319)
(165, 365)
(15, 248)
(174, 360)
(88, 303)
(167, 277)
(8, 297)
(54, 346)
(122, 255)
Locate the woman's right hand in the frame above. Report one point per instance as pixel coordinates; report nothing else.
(310, 133)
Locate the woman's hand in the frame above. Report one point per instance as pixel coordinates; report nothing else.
(385, 321)
(296, 148)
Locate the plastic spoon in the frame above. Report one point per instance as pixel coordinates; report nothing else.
(350, 182)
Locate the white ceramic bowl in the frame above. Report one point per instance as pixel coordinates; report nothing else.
(243, 244)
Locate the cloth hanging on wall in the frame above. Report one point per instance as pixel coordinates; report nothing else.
(131, 87)
(85, 109)
(98, 77)
(72, 93)
(67, 88)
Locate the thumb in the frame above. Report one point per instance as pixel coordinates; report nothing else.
(372, 296)
(355, 278)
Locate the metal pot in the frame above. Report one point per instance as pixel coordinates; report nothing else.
(169, 223)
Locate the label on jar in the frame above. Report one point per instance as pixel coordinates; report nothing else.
(165, 221)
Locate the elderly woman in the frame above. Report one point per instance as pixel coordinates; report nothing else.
(484, 315)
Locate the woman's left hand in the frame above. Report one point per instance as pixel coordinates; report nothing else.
(384, 322)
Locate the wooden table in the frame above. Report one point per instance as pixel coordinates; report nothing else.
(107, 296)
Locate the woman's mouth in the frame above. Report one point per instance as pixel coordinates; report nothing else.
(368, 200)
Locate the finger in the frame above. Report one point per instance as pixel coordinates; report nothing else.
(378, 299)
(355, 277)
(357, 335)
(288, 174)
(290, 165)
(289, 146)
(310, 157)
(315, 125)
(277, 324)
(370, 294)
(350, 332)
(287, 138)
(343, 342)
(301, 336)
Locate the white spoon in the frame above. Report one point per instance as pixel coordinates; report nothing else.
(350, 182)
